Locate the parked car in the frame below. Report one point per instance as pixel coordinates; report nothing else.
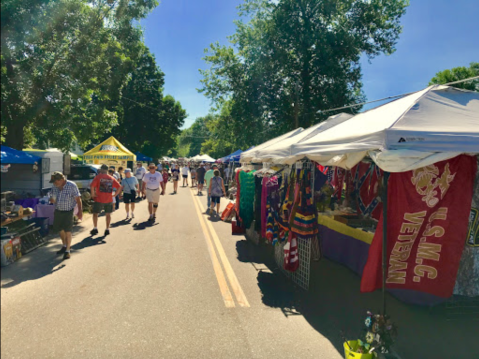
(83, 175)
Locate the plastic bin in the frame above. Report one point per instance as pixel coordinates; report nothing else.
(10, 251)
(351, 354)
(43, 223)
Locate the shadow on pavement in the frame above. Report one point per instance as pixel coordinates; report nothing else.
(123, 222)
(144, 225)
(334, 304)
(89, 242)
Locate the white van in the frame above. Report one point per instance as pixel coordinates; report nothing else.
(83, 175)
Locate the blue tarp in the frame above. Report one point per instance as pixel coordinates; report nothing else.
(141, 157)
(226, 159)
(9, 155)
(237, 157)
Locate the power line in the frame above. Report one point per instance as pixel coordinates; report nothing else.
(392, 97)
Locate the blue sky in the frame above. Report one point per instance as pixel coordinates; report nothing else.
(437, 35)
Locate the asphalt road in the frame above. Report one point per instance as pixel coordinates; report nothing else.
(180, 288)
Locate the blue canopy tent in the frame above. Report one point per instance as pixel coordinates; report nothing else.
(12, 156)
(21, 172)
(227, 159)
(142, 158)
(235, 157)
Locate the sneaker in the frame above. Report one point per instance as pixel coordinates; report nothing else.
(128, 217)
(107, 232)
(66, 255)
(94, 231)
(132, 215)
(61, 251)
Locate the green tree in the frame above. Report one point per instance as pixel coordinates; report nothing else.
(192, 138)
(457, 74)
(64, 64)
(295, 58)
(148, 121)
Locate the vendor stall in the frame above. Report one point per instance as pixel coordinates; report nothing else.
(407, 167)
(21, 172)
(110, 152)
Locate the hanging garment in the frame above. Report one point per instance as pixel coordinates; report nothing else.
(257, 203)
(304, 221)
(287, 203)
(247, 197)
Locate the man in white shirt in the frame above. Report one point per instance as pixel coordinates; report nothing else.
(184, 172)
(139, 173)
(152, 183)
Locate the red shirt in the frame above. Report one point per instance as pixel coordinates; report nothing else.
(165, 176)
(104, 185)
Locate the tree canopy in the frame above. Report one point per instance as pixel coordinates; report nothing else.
(64, 64)
(457, 74)
(293, 59)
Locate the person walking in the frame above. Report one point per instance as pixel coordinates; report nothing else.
(116, 198)
(165, 178)
(160, 167)
(184, 172)
(175, 174)
(152, 183)
(102, 193)
(65, 196)
(208, 176)
(193, 176)
(139, 173)
(121, 173)
(216, 190)
(200, 173)
(130, 189)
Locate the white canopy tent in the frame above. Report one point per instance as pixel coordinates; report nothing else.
(425, 127)
(202, 158)
(249, 155)
(281, 150)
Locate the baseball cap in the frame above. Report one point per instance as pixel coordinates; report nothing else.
(104, 167)
(127, 170)
(112, 167)
(56, 176)
(214, 165)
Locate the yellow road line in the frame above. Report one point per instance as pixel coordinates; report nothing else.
(238, 291)
(225, 292)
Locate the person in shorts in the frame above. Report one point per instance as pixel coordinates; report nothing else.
(166, 176)
(116, 197)
(193, 176)
(130, 189)
(175, 174)
(152, 185)
(184, 173)
(139, 173)
(208, 176)
(216, 191)
(102, 193)
(65, 196)
(200, 174)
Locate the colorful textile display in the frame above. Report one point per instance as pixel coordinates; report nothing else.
(364, 186)
(304, 221)
(246, 180)
(291, 258)
(428, 212)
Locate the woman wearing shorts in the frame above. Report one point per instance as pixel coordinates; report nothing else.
(175, 173)
(193, 176)
(216, 191)
(165, 177)
(130, 188)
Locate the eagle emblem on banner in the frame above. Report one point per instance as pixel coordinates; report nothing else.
(428, 181)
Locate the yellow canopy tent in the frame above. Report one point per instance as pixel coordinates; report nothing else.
(110, 152)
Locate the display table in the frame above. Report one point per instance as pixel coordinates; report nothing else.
(14, 219)
(48, 211)
(27, 202)
(343, 244)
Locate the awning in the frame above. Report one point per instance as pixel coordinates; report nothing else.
(12, 156)
(110, 149)
(141, 157)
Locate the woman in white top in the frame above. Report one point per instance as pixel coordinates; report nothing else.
(184, 172)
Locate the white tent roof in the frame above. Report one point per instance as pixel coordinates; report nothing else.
(203, 158)
(427, 126)
(281, 150)
(248, 156)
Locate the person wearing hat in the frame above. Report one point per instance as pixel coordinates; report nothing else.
(208, 176)
(139, 173)
(200, 173)
(152, 183)
(130, 189)
(65, 196)
(102, 193)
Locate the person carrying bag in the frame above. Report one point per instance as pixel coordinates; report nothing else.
(216, 191)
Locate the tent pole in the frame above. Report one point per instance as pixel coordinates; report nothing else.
(385, 231)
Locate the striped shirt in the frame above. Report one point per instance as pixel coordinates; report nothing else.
(66, 198)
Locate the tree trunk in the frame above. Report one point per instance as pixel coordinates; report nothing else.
(14, 137)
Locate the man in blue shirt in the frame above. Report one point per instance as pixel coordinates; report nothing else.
(65, 196)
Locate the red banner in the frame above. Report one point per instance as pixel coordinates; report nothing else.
(428, 213)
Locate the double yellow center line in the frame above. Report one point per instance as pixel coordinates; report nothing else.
(230, 274)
